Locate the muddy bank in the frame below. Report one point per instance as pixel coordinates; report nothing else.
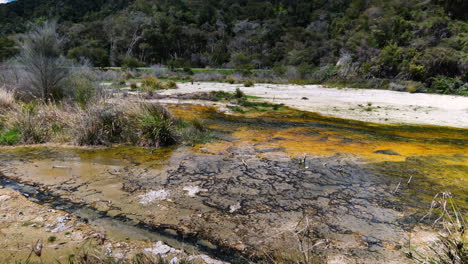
(379, 106)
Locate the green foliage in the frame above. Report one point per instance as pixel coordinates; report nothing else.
(131, 62)
(10, 137)
(158, 127)
(7, 48)
(402, 40)
(97, 56)
(445, 85)
(239, 93)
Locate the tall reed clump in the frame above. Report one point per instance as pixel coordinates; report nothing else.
(142, 124)
(7, 99)
(451, 246)
(102, 124)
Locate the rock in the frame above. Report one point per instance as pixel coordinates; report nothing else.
(234, 207)
(153, 196)
(387, 152)
(4, 198)
(193, 190)
(162, 250)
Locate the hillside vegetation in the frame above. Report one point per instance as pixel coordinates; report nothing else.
(409, 45)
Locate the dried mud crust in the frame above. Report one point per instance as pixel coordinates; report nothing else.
(259, 201)
(248, 198)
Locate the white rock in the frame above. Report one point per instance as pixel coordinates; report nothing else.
(4, 198)
(174, 260)
(152, 196)
(234, 207)
(193, 190)
(60, 228)
(162, 250)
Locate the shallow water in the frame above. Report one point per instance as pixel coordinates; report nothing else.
(364, 184)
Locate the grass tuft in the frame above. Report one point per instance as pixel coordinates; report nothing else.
(451, 247)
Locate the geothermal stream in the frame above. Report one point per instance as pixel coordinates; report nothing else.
(124, 226)
(364, 187)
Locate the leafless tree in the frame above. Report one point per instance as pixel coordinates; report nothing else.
(42, 61)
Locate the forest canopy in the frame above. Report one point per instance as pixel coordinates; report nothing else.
(393, 39)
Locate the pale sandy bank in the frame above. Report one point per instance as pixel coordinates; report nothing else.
(380, 106)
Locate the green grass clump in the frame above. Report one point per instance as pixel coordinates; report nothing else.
(10, 137)
(158, 126)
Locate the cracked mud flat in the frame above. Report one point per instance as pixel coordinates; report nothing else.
(250, 189)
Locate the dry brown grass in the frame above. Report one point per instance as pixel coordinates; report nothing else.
(7, 99)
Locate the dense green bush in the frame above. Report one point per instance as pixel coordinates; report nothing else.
(131, 63)
(445, 85)
(97, 56)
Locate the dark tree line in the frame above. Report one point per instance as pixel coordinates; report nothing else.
(403, 39)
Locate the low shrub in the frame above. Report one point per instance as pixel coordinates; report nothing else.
(230, 80)
(133, 86)
(32, 127)
(445, 85)
(239, 93)
(170, 85)
(151, 84)
(249, 83)
(209, 77)
(131, 63)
